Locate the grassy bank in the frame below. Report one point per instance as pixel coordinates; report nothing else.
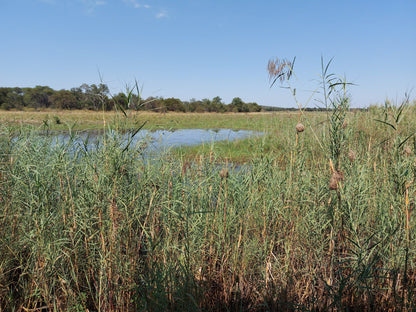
(108, 230)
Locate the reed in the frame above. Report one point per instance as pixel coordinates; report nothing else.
(106, 229)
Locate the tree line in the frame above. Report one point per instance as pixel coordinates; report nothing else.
(97, 97)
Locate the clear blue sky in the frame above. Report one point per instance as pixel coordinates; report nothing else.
(202, 49)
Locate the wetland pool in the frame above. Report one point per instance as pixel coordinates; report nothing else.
(154, 141)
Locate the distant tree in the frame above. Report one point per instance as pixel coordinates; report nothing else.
(95, 97)
(131, 101)
(218, 105)
(187, 106)
(197, 106)
(192, 105)
(37, 97)
(64, 99)
(15, 98)
(153, 104)
(206, 105)
(135, 102)
(174, 105)
(119, 100)
(3, 98)
(253, 107)
(236, 105)
(78, 94)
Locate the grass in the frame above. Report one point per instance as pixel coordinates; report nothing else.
(83, 119)
(267, 123)
(107, 230)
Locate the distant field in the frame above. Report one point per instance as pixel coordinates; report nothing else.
(84, 119)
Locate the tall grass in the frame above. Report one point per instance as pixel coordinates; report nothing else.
(108, 230)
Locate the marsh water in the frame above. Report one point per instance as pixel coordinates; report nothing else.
(155, 141)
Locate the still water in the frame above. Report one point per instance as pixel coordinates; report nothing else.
(157, 141)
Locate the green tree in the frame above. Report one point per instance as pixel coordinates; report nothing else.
(64, 99)
(37, 97)
(3, 98)
(152, 104)
(120, 100)
(95, 97)
(193, 105)
(218, 105)
(253, 107)
(199, 106)
(236, 105)
(206, 105)
(174, 105)
(15, 98)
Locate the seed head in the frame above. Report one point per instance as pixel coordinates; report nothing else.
(344, 124)
(407, 151)
(300, 127)
(224, 173)
(280, 69)
(336, 177)
(352, 156)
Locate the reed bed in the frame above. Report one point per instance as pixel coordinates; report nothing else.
(106, 229)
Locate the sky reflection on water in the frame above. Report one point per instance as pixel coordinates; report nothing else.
(159, 140)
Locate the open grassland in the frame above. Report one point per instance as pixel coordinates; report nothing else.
(316, 220)
(84, 119)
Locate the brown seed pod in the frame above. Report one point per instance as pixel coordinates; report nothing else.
(351, 155)
(344, 124)
(224, 173)
(336, 177)
(407, 151)
(300, 127)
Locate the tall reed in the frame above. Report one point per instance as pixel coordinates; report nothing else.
(107, 229)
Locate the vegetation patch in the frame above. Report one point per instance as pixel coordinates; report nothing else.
(320, 217)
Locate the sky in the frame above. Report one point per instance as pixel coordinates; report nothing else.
(206, 48)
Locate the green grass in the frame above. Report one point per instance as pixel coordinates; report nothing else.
(108, 230)
(81, 119)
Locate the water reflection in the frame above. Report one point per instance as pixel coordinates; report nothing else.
(160, 140)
